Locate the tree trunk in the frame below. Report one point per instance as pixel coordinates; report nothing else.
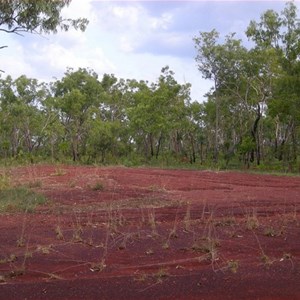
(276, 154)
(151, 144)
(201, 152)
(75, 148)
(158, 146)
(216, 146)
(294, 143)
(193, 157)
(256, 150)
(14, 142)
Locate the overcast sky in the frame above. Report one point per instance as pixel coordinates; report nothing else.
(131, 39)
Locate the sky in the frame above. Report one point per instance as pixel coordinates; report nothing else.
(131, 39)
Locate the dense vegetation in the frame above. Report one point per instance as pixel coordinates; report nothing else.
(250, 118)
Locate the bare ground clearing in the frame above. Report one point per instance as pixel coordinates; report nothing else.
(122, 233)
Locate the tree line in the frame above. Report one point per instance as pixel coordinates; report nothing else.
(250, 118)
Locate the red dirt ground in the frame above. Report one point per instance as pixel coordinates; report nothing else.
(121, 233)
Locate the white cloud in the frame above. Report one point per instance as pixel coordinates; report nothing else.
(120, 17)
(129, 15)
(58, 58)
(79, 9)
(132, 39)
(110, 44)
(132, 24)
(161, 23)
(126, 45)
(13, 58)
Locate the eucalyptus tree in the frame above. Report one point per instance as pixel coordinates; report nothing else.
(53, 135)
(171, 99)
(77, 98)
(285, 111)
(140, 115)
(243, 87)
(37, 16)
(209, 64)
(109, 133)
(181, 129)
(10, 137)
(280, 34)
(22, 122)
(156, 112)
(224, 63)
(195, 138)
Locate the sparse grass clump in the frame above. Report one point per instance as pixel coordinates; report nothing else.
(44, 249)
(21, 242)
(252, 222)
(149, 252)
(59, 233)
(141, 277)
(4, 181)
(122, 246)
(266, 260)
(152, 222)
(270, 231)
(156, 188)
(166, 245)
(161, 274)
(77, 235)
(35, 184)
(98, 267)
(233, 265)
(287, 255)
(12, 258)
(19, 199)
(58, 172)
(226, 221)
(208, 246)
(98, 186)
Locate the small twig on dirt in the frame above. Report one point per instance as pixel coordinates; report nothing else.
(171, 263)
(203, 210)
(149, 287)
(50, 275)
(21, 240)
(258, 242)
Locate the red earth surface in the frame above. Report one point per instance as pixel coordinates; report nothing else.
(141, 233)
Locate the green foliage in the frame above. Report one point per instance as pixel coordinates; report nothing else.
(36, 16)
(4, 181)
(251, 116)
(76, 101)
(246, 145)
(156, 111)
(252, 85)
(19, 199)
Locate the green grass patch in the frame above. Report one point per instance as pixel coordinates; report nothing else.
(98, 186)
(19, 199)
(4, 181)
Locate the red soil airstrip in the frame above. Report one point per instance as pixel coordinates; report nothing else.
(122, 233)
